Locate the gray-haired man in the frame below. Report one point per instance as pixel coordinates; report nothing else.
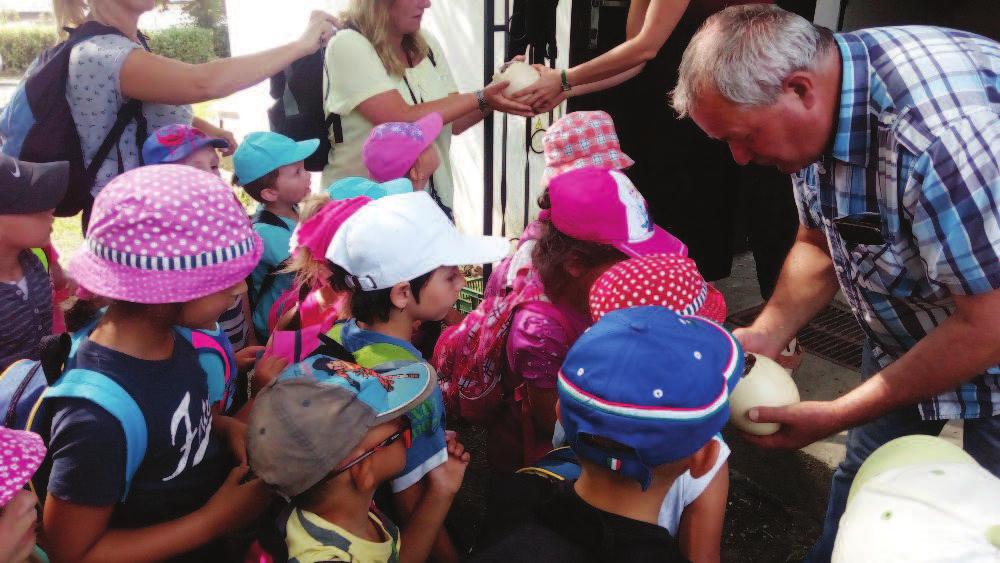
(893, 139)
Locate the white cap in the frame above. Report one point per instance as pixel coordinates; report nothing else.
(400, 237)
(938, 510)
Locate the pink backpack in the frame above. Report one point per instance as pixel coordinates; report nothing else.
(296, 345)
(470, 357)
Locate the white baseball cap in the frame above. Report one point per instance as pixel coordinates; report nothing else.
(921, 499)
(401, 237)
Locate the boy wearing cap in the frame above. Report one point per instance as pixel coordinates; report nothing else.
(183, 144)
(641, 395)
(405, 150)
(399, 258)
(29, 193)
(326, 435)
(269, 167)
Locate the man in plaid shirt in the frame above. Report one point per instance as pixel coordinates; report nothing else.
(893, 139)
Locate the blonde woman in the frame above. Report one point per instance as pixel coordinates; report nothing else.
(108, 70)
(384, 68)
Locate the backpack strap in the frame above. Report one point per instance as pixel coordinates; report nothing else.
(266, 217)
(205, 343)
(10, 417)
(330, 347)
(107, 394)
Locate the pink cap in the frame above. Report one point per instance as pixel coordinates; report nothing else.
(392, 148)
(316, 232)
(600, 205)
(667, 280)
(582, 138)
(21, 453)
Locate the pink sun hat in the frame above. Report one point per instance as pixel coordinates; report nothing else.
(166, 234)
(21, 454)
(667, 280)
(582, 138)
(601, 205)
(316, 232)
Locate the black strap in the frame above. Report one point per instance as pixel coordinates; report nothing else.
(330, 347)
(270, 218)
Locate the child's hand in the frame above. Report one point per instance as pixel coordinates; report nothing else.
(235, 506)
(267, 370)
(17, 527)
(447, 478)
(246, 357)
(235, 434)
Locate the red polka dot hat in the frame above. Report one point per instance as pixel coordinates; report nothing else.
(668, 280)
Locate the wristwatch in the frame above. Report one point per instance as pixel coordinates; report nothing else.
(565, 81)
(484, 108)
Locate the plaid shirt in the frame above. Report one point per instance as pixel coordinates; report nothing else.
(909, 195)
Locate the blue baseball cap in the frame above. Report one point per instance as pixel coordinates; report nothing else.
(264, 151)
(354, 186)
(651, 380)
(171, 143)
(308, 421)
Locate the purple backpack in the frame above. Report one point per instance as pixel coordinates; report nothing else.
(37, 125)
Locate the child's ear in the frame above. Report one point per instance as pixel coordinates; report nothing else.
(703, 460)
(400, 295)
(269, 195)
(362, 475)
(573, 266)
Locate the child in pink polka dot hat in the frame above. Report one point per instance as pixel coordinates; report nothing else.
(21, 454)
(170, 247)
(668, 280)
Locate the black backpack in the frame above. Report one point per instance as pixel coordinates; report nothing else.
(298, 112)
(37, 125)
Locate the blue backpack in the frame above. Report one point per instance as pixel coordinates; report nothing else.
(37, 125)
(26, 385)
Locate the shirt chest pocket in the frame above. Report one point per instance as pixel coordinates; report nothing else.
(877, 269)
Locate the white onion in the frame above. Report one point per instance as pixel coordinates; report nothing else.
(764, 384)
(520, 75)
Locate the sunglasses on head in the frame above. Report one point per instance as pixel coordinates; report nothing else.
(405, 433)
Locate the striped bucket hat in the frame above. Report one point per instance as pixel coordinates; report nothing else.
(166, 234)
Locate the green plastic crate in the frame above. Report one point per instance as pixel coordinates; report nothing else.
(471, 295)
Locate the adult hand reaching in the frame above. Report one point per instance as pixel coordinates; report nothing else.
(801, 424)
(497, 101)
(544, 91)
(320, 29)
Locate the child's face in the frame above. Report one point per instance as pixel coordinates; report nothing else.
(205, 159)
(291, 186)
(438, 295)
(427, 163)
(28, 230)
(17, 527)
(389, 462)
(204, 312)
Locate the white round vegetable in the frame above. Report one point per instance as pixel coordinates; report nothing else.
(764, 384)
(519, 74)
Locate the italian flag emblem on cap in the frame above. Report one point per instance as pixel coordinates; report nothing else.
(614, 464)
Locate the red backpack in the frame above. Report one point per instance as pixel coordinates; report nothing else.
(470, 357)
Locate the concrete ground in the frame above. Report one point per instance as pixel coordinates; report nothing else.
(798, 479)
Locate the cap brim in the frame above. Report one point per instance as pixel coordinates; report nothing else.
(397, 186)
(430, 125)
(303, 150)
(201, 143)
(411, 385)
(42, 187)
(462, 250)
(661, 242)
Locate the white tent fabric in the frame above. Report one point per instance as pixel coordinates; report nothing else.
(458, 25)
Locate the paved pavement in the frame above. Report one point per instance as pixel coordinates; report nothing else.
(799, 479)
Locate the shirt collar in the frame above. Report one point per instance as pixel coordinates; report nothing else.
(850, 141)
